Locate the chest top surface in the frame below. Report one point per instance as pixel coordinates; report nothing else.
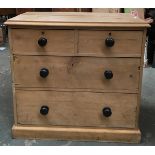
(76, 19)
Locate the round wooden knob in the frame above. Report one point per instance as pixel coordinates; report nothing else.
(44, 110)
(107, 112)
(42, 41)
(109, 41)
(108, 74)
(44, 72)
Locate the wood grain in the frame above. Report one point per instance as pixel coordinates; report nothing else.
(76, 19)
(76, 90)
(126, 42)
(12, 76)
(141, 77)
(76, 108)
(25, 41)
(77, 72)
(76, 42)
(58, 133)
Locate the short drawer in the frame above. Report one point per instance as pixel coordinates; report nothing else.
(77, 72)
(110, 43)
(42, 42)
(76, 108)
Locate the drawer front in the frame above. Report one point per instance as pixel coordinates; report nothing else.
(76, 108)
(126, 43)
(25, 42)
(77, 72)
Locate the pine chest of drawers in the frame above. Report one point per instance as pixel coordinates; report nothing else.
(77, 75)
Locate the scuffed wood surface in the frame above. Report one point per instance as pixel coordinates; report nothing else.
(76, 19)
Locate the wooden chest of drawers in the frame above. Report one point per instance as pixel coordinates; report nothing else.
(77, 75)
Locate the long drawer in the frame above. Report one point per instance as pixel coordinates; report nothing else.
(76, 108)
(77, 72)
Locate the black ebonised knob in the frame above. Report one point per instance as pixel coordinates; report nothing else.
(108, 74)
(107, 112)
(44, 110)
(44, 72)
(42, 41)
(109, 41)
